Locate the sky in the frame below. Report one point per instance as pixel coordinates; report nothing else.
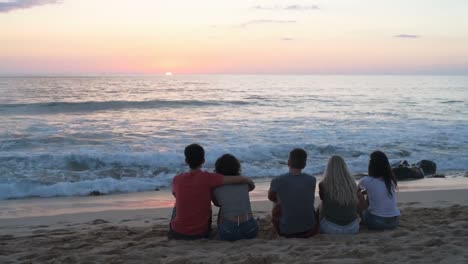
(233, 37)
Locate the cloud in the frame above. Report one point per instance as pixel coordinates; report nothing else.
(287, 39)
(407, 36)
(266, 21)
(288, 8)
(7, 6)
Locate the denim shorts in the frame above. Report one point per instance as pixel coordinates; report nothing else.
(328, 227)
(376, 222)
(231, 231)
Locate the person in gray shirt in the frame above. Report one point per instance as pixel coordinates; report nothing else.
(235, 219)
(293, 194)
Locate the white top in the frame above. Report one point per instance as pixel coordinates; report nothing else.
(380, 202)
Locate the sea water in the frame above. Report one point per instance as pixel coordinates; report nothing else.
(69, 136)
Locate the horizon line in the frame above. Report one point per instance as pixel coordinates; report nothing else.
(202, 74)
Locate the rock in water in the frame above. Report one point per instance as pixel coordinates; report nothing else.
(403, 171)
(428, 167)
(407, 173)
(95, 193)
(437, 176)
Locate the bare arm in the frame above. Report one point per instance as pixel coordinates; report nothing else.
(272, 196)
(239, 180)
(214, 200)
(362, 202)
(320, 191)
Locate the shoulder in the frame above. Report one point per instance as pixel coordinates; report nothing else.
(278, 181)
(279, 178)
(179, 177)
(365, 179)
(310, 177)
(211, 178)
(210, 174)
(370, 181)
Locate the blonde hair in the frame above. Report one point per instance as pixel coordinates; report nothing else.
(337, 181)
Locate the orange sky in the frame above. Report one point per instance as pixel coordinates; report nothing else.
(256, 37)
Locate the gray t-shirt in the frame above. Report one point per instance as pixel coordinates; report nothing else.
(233, 199)
(296, 195)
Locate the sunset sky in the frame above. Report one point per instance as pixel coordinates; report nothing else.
(220, 36)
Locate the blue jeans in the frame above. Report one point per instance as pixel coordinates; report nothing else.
(380, 223)
(231, 231)
(328, 227)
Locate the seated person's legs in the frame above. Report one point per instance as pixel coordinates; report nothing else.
(375, 222)
(232, 230)
(276, 216)
(172, 234)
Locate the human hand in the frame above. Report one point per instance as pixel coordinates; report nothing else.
(251, 185)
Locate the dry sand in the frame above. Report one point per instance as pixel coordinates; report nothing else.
(434, 229)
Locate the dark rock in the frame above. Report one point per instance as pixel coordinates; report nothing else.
(428, 167)
(95, 193)
(436, 176)
(407, 173)
(401, 163)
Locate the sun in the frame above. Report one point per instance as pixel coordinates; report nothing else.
(168, 73)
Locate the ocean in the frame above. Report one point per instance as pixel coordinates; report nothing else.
(70, 136)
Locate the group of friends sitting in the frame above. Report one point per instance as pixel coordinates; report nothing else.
(344, 207)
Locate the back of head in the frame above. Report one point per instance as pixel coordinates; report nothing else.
(194, 155)
(379, 167)
(338, 183)
(228, 165)
(297, 158)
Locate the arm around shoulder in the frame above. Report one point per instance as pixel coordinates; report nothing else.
(239, 180)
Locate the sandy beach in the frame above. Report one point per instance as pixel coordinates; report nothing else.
(434, 229)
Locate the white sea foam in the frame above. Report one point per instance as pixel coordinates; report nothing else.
(119, 134)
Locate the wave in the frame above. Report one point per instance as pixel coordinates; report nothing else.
(452, 102)
(82, 188)
(91, 106)
(78, 173)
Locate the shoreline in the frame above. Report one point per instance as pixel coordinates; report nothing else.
(261, 208)
(31, 207)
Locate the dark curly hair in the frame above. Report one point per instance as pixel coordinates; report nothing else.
(228, 165)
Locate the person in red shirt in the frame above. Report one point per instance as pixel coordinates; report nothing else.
(191, 218)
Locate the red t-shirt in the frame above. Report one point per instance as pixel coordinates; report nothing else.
(192, 191)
